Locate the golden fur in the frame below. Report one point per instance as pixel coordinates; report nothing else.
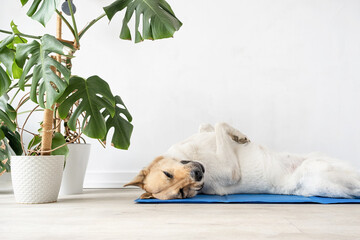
(158, 185)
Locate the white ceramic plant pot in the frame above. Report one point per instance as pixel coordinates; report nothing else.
(75, 168)
(5, 182)
(36, 179)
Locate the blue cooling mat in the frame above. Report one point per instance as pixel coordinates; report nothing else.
(253, 198)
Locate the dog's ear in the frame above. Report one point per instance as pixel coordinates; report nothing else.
(146, 195)
(138, 181)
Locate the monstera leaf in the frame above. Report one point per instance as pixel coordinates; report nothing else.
(5, 119)
(57, 141)
(4, 156)
(7, 57)
(41, 10)
(14, 140)
(4, 81)
(9, 39)
(159, 21)
(44, 80)
(7, 116)
(94, 94)
(9, 110)
(121, 123)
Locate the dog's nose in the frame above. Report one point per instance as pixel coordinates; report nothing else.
(197, 174)
(197, 164)
(200, 166)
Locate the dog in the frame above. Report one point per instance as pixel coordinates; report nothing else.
(221, 160)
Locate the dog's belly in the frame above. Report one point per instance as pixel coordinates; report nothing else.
(248, 184)
(218, 180)
(254, 177)
(260, 173)
(264, 171)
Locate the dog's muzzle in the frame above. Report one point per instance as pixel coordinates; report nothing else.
(198, 170)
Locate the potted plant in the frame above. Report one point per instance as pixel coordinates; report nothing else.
(83, 106)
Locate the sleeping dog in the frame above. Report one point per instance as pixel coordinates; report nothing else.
(222, 160)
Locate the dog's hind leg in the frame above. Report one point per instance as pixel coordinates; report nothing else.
(227, 143)
(206, 127)
(319, 175)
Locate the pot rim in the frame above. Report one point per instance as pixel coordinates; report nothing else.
(79, 144)
(40, 156)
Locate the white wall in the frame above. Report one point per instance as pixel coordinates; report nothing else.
(284, 72)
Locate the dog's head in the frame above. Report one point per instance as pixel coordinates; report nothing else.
(168, 178)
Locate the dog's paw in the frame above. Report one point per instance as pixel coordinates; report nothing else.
(206, 127)
(235, 134)
(242, 140)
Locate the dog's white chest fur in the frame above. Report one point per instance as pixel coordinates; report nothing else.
(236, 166)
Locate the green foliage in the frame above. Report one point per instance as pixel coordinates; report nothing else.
(7, 115)
(4, 81)
(7, 57)
(159, 21)
(6, 41)
(6, 120)
(94, 94)
(14, 28)
(13, 138)
(32, 62)
(41, 10)
(57, 141)
(44, 80)
(121, 124)
(9, 110)
(34, 142)
(8, 135)
(4, 156)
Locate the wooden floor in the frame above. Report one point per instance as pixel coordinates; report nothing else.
(112, 214)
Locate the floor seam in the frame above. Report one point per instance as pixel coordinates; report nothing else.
(292, 224)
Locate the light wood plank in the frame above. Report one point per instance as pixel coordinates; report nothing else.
(112, 214)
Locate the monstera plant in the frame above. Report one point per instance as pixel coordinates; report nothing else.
(39, 66)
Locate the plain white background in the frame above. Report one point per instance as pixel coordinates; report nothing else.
(284, 72)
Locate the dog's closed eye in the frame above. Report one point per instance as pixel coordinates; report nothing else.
(169, 175)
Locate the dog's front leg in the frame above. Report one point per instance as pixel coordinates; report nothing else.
(227, 144)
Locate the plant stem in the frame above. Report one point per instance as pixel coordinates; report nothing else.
(47, 125)
(16, 84)
(74, 23)
(12, 99)
(57, 120)
(66, 22)
(21, 34)
(20, 38)
(38, 110)
(22, 101)
(17, 92)
(89, 25)
(47, 131)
